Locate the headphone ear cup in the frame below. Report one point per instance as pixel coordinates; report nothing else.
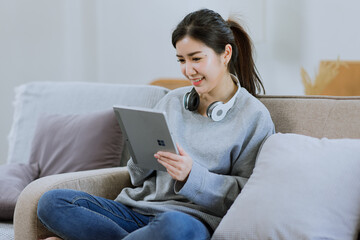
(191, 100)
(216, 111)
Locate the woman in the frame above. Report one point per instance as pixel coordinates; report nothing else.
(219, 126)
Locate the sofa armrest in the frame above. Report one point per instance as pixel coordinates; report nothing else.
(106, 183)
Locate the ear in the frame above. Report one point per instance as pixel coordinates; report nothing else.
(226, 56)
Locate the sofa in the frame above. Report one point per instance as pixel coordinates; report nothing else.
(303, 186)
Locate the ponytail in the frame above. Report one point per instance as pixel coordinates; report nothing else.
(242, 63)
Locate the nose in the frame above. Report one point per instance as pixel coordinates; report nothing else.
(189, 69)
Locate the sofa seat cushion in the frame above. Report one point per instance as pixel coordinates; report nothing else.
(301, 188)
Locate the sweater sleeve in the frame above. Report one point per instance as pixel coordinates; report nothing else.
(137, 175)
(217, 192)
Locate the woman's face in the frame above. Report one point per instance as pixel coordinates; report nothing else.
(200, 64)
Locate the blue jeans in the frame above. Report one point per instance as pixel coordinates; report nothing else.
(77, 215)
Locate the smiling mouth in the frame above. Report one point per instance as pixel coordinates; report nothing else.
(197, 81)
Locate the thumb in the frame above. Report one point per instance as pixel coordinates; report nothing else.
(181, 150)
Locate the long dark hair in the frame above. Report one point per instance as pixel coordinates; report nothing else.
(210, 28)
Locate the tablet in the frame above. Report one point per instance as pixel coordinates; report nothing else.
(146, 132)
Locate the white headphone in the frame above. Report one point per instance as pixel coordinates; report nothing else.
(216, 110)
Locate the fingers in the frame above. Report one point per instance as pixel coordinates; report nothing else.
(174, 173)
(175, 163)
(172, 155)
(167, 155)
(178, 166)
(177, 172)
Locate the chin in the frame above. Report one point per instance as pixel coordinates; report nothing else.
(200, 90)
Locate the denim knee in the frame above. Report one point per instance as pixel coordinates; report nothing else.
(182, 225)
(47, 202)
(173, 218)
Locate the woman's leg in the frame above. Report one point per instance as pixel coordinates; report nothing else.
(172, 225)
(77, 215)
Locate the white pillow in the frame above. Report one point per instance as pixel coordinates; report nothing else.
(301, 188)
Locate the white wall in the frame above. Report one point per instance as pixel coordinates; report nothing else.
(301, 34)
(130, 41)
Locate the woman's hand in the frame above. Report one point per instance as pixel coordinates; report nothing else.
(178, 166)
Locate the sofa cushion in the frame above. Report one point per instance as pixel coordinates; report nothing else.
(39, 98)
(301, 188)
(13, 179)
(76, 142)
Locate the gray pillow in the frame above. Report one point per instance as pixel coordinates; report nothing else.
(69, 143)
(301, 188)
(13, 179)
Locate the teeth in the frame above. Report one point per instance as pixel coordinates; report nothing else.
(198, 80)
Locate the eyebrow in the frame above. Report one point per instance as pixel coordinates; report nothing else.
(190, 54)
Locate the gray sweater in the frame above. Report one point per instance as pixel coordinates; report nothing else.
(223, 155)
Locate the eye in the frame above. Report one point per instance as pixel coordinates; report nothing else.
(181, 60)
(196, 59)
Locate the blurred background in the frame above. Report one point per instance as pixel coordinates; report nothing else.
(120, 41)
